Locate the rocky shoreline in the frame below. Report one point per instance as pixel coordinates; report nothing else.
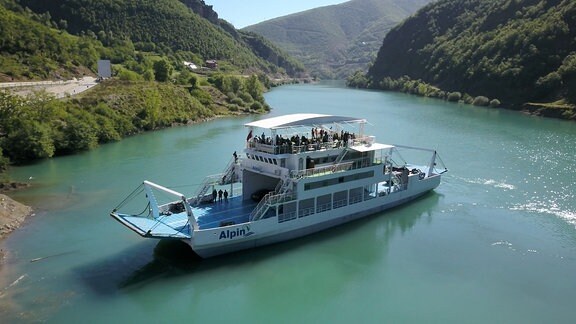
(12, 215)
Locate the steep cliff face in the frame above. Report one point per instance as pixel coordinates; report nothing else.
(202, 9)
(516, 51)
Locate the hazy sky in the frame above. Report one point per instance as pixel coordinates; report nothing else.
(242, 13)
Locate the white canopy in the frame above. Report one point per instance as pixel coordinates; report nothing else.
(296, 120)
(371, 147)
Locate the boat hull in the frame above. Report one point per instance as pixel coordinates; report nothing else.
(224, 240)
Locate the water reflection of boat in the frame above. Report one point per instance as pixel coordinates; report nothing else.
(303, 174)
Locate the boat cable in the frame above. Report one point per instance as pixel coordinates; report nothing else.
(442, 163)
(131, 196)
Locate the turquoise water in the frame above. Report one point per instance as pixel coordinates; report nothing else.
(496, 242)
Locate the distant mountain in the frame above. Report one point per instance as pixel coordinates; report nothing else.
(517, 51)
(334, 41)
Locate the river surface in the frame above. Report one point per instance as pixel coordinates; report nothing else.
(494, 243)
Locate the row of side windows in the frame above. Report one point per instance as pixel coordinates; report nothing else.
(262, 159)
(310, 206)
(339, 180)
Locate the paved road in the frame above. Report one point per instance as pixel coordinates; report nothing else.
(60, 89)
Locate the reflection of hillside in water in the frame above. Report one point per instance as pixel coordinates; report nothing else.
(352, 246)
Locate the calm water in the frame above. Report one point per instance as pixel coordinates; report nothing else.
(496, 242)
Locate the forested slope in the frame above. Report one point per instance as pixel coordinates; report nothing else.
(150, 88)
(336, 40)
(162, 26)
(517, 51)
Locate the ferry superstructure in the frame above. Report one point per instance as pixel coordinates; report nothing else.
(298, 174)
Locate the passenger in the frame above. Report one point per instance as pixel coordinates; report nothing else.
(226, 195)
(214, 195)
(220, 195)
(235, 157)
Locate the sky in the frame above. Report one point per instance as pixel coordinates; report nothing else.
(242, 13)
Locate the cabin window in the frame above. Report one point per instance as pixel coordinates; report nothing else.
(355, 195)
(340, 199)
(323, 203)
(335, 181)
(286, 212)
(370, 191)
(306, 207)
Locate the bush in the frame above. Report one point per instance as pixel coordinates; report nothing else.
(245, 96)
(494, 103)
(76, 136)
(127, 75)
(28, 140)
(148, 75)
(256, 106)
(454, 96)
(204, 97)
(162, 70)
(4, 162)
(237, 101)
(481, 101)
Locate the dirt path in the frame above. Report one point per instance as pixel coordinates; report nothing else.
(60, 89)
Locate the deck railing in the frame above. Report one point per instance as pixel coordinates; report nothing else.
(313, 146)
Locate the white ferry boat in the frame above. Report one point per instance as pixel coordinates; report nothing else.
(303, 174)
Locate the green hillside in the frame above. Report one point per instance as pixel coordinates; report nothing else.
(515, 51)
(167, 27)
(29, 49)
(336, 40)
(151, 88)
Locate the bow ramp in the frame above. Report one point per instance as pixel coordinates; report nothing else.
(169, 220)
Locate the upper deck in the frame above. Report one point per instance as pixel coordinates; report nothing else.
(299, 133)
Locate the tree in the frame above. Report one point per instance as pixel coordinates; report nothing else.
(4, 162)
(254, 88)
(76, 136)
(28, 140)
(162, 70)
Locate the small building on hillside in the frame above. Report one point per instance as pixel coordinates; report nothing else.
(190, 65)
(211, 64)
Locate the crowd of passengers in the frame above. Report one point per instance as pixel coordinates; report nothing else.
(317, 136)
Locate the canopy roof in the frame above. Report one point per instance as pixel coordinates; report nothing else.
(296, 120)
(371, 147)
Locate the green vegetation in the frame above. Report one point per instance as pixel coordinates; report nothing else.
(151, 88)
(167, 27)
(334, 41)
(515, 51)
(30, 49)
(40, 126)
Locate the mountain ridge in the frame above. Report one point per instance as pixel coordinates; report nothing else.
(333, 41)
(517, 52)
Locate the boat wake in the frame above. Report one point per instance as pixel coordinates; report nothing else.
(551, 208)
(491, 183)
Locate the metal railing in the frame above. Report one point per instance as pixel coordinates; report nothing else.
(308, 147)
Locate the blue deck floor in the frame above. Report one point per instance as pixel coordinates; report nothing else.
(211, 215)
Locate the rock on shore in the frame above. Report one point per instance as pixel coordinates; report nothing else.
(12, 214)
